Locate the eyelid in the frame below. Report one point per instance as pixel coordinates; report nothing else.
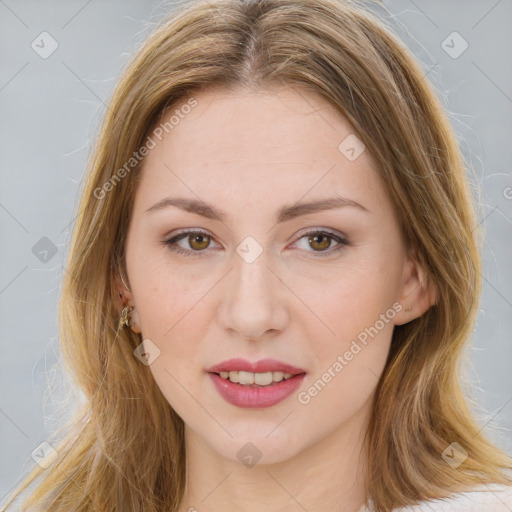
(327, 231)
(300, 235)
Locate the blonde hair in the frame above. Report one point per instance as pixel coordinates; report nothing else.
(125, 448)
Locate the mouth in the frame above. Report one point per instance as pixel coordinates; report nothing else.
(260, 384)
(264, 372)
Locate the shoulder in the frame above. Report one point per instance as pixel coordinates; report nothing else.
(484, 498)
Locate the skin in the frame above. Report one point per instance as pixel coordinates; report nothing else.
(250, 153)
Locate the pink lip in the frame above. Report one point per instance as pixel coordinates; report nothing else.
(254, 397)
(251, 396)
(261, 366)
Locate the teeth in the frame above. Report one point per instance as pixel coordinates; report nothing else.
(263, 379)
(244, 377)
(260, 379)
(277, 376)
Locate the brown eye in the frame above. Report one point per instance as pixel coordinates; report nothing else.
(323, 243)
(320, 242)
(189, 243)
(199, 241)
(195, 243)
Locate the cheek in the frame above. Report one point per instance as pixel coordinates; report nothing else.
(347, 300)
(169, 299)
(173, 316)
(348, 362)
(354, 334)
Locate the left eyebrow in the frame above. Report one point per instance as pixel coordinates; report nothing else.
(286, 213)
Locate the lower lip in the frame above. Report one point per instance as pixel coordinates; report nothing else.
(252, 398)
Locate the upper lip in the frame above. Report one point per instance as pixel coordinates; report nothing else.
(261, 366)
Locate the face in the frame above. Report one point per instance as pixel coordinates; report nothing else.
(258, 275)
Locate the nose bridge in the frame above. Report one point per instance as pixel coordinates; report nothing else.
(253, 303)
(251, 277)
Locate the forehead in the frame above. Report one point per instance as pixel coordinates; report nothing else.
(257, 144)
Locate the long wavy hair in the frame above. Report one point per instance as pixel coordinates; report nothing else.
(124, 448)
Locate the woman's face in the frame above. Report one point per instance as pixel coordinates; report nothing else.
(248, 169)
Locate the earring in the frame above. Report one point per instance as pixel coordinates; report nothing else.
(124, 320)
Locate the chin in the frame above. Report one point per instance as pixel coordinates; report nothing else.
(257, 447)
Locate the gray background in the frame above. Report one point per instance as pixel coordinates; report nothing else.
(50, 108)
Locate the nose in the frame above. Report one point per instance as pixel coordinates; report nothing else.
(254, 299)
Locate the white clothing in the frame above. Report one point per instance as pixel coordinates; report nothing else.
(484, 498)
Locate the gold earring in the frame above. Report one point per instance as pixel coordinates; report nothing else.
(124, 320)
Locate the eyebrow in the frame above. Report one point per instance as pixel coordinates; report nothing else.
(286, 213)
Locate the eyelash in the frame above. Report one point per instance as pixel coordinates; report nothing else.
(171, 242)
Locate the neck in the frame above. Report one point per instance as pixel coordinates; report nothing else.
(328, 476)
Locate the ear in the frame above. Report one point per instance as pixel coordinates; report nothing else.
(122, 294)
(418, 292)
(124, 298)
